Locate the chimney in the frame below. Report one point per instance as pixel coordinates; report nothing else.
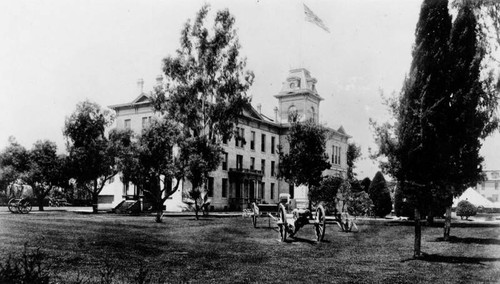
(259, 108)
(140, 85)
(159, 80)
(275, 114)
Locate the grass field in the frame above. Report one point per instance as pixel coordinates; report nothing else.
(87, 248)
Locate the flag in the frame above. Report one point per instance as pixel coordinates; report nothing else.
(311, 17)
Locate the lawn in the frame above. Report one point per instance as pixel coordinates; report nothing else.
(85, 248)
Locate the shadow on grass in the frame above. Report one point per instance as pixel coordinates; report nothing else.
(454, 259)
(301, 240)
(479, 241)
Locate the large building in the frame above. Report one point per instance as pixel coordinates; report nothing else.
(490, 187)
(250, 165)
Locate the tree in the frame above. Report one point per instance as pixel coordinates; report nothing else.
(150, 162)
(353, 153)
(45, 170)
(445, 109)
(199, 157)
(92, 155)
(402, 207)
(206, 86)
(365, 184)
(359, 204)
(473, 103)
(14, 161)
(412, 146)
(326, 193)
(306, 158)
(380, 196)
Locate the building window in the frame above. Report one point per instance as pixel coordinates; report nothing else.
(263, 143)
(273, 144)
(125, 188)
(290, 190)
(239, 162)
(224, 162)
(252, 140)
(263, 167)
(272, 191)
(224, 187)
(252, 163)
(494, 197)
(336, 155)
(210, 185)
(496, 185)
(273, 173)
(239, 140)
(127, 124)
(224, 140)
(262, 190)
(146, 121)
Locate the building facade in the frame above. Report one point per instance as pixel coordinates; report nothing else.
(248, 172)
(490, 187)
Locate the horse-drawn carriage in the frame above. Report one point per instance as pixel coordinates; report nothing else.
(290, 216)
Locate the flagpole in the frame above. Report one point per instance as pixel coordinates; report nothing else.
(301, 38)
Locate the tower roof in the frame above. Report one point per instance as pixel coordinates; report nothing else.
(299, 81)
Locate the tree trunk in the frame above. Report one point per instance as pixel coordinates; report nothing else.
(95, 198)
(447, 224)
(159, 214)
(418, 235)
(196, 210)
(430, 218)
(40, 203)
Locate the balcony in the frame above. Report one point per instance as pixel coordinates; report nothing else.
(241, 174)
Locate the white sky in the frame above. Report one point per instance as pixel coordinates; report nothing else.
(56, 53)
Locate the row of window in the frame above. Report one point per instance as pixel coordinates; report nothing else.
(261, 192)
(240, 140)
(483, 186)
(239, 164)
(146, 121)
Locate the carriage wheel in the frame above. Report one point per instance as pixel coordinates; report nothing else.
(320, 223)
(24, 207)
(254, 216)
(282, 220)
(12, 205)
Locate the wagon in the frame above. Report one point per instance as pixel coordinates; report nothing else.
(19, 205)
(290, 216)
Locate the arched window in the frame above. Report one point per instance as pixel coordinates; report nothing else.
(313, 114)
(292, 114)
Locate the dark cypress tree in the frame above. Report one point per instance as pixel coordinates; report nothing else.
(413, 152)
(443, 112)
(470, 117)
(380, 196)
(365, 184)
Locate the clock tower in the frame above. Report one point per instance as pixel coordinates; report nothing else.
(298, 97)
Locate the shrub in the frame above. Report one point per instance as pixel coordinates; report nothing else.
(326, 192)
(359, 204)
(30, 267)
(466, 209)
(380, 195)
